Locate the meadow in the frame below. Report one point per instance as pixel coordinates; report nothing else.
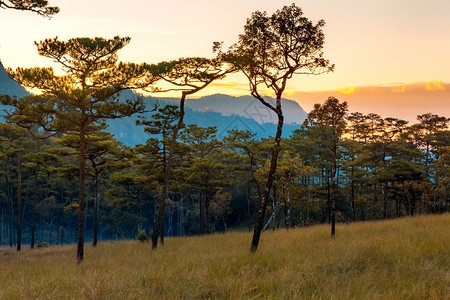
(407, 258)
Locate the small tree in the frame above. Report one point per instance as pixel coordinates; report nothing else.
(327, 123)
(269, 52)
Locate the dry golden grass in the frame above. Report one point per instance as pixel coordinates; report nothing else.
(398, 259)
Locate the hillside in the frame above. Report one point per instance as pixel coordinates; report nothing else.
(8, 86)
(406, 258)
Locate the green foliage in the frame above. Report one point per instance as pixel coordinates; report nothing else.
(359, 166)
(41, 244)
(142, 236)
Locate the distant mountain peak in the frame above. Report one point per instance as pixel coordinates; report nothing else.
(248, 107)
(9, 86)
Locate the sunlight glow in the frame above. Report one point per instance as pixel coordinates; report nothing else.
(434, 85)
(398, 89)
(347, 91)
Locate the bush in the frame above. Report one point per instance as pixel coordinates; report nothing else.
(142, 236)
(41, 244)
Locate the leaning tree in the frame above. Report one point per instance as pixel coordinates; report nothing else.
(271, 51)
(80, 101)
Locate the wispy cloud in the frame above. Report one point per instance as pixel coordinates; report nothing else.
(236, 86)
(404, 101)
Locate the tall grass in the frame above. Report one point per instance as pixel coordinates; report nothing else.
(399, 259)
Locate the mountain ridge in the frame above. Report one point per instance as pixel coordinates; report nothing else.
(223, 111)
(9, 86)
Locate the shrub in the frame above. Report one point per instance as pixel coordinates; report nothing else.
(142, 236)
(41, 244)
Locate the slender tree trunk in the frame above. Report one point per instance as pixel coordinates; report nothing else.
(273, 167)
(19, 203)
(10, 208)
(248, 208)
(353, 196)
(50, 230)
(333, 194)
(158, 229)
(288, 214)
(384, 192)
(94, 242)
(33, 218)
(1, 224)
(362, 206)
(329, 206)
(138, 212)
(202, 213)
(274, 204)
(207, 216)
(81, 203)
(385, 202)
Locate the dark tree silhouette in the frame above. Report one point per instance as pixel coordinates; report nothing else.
(40, 7)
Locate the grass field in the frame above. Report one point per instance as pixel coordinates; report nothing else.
(399, 259)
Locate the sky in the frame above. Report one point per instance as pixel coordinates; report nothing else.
(379, 47)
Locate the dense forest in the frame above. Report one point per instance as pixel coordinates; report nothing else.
(385, 169)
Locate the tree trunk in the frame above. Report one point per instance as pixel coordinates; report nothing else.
(138, 213)
(274, 205)
(329, 197)
(81, 203)
(353, 196)
(385, 203)
(273, 167)
(248, 208)
(333, 194)
(19, 203)
(158, 229)
(288, 211)
(384, 191)
(1, 224)
(10, 208)
(33, 218)
(94, 242)
(202, 213)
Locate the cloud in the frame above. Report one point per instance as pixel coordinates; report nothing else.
(347, 91)
(434, 86)
(237, 86)
(404, 101)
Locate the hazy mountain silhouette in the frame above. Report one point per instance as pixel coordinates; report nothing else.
(8, 86)
(223, 111)
(248, 107)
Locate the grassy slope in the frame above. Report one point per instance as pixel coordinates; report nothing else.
(399, 259)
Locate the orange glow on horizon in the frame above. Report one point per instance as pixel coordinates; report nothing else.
(398, 89)
(347, 91)
(434, 85)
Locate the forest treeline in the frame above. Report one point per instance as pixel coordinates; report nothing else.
(386, 168)
(64, 176)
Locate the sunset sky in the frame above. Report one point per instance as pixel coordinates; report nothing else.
(391, 56)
